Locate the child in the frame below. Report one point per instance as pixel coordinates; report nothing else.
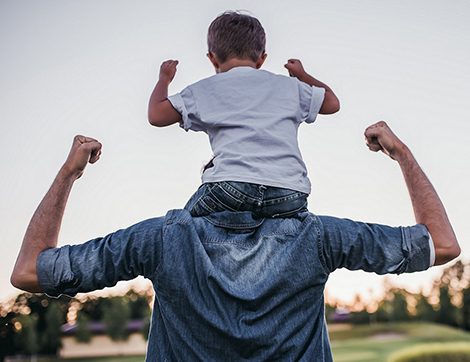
(251, 117)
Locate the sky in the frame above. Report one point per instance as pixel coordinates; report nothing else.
(88, 67)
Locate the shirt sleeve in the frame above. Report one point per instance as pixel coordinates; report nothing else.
(372, 247)
(102, 262)
(310, 100)
(185, 103)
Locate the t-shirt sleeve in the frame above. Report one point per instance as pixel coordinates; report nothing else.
(310, 100)
(186, 104)
(102, 262)
(374, 248)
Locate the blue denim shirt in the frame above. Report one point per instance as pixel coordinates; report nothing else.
(232, 288)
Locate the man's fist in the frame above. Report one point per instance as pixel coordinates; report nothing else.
(84, 150)
(379, 137)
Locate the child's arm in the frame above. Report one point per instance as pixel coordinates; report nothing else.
(330, 103)
(161, 113)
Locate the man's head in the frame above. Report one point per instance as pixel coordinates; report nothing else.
(235, 35)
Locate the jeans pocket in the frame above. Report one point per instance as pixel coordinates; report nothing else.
(215, 199)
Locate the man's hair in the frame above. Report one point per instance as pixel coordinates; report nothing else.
(236, 35)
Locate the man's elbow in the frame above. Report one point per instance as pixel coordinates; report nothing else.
(446, 255)
(18, 280)
(26, 281)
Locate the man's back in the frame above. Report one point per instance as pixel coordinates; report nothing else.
(230, 287)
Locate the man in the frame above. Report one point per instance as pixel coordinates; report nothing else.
(229, 287)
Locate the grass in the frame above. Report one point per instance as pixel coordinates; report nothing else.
(353, 343)
(138, 358)
(377, 343)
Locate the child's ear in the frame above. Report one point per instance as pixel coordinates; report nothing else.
(261, 60)
(214, 61)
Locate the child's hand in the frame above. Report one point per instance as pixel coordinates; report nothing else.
(295, 68)
(168, 70)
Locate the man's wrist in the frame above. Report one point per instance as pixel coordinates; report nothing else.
(402, 154)
(68, 173)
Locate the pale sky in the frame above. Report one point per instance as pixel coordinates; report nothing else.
(88, 67)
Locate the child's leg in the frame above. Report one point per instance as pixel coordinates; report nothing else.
(278, 202)
(263, 201)
(267, 201)
(210, 198)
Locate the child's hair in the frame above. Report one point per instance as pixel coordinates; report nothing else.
(236, 35)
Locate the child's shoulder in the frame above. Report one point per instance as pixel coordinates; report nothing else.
(243, 75)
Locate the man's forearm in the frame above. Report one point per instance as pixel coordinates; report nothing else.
(428, 208)
(42, 232)
(44, 227)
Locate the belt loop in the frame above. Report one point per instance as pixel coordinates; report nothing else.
(261, 190)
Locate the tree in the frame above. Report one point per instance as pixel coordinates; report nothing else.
(138, 304)
(116, 318)
(83, 328)
(424, 310)
(466, 308)
(7, 333)
(447, 311)
(50, 337)
(399, 306)
(26, 338)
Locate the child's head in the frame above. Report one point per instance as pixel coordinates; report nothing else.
(235, 35)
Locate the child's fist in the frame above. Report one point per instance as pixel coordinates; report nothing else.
(168, 70)
(295, 68)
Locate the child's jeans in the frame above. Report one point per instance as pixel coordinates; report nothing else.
(263, 201)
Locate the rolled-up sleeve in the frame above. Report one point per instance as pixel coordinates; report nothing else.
(185, 103)
(102, 262)
(372, 247)
(310, 101)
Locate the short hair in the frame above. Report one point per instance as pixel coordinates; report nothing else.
(236, 35)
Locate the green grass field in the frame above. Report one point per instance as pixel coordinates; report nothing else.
(354, 343)
(377, 343)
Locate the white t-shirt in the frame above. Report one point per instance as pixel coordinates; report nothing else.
(251, 117)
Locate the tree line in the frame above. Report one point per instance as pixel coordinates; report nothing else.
(31, 324)
(448, 302)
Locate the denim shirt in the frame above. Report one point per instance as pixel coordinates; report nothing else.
(232, 288)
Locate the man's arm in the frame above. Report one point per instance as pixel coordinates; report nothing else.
(161, 113)
(43, 230)
(330, 103)
(428, 208)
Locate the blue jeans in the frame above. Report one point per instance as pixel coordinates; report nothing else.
(262, 201)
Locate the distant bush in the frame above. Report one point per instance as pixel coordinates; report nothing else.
(439, 352)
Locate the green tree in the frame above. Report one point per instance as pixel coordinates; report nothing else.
(116, 318)
(26, 339)
(145, 330)
(384, 311)
(466, 308)
(329, 311)
(138, 304)
(399, 306)
(83, 334)
(48, 322)
(446, 313)
(7, 333)
(361, 317)
(424, 310)
(50, 337)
